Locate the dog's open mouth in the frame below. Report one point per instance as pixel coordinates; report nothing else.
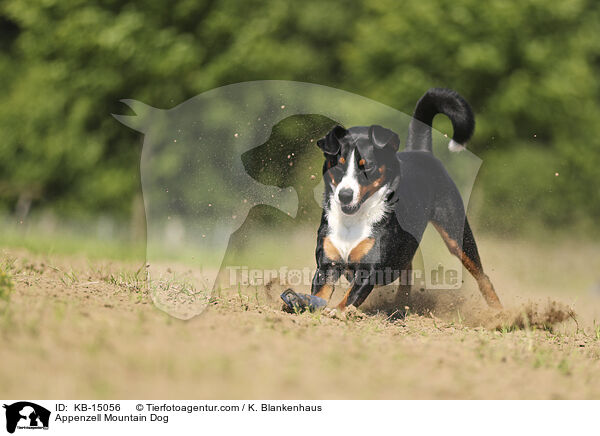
(350, 210)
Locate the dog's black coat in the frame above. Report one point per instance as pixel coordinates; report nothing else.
(418, 190)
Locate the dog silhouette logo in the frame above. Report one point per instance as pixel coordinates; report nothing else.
(234, 175)
(26, 415)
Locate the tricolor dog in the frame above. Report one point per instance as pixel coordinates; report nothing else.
(378, 202)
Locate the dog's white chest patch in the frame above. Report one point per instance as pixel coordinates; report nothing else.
(347, 231)
(346, 237)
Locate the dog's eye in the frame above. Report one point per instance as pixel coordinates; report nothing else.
(364, 166)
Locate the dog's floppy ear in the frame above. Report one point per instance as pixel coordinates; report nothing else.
(382, 137)
(331, 143)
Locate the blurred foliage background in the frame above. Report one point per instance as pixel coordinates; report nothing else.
(529, 68)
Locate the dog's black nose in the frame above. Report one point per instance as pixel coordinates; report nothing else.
(346, 195)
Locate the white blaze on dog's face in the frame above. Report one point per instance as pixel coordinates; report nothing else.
(346, 193)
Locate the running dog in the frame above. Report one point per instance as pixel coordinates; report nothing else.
(378, 202)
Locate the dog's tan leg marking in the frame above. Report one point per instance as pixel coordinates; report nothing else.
(331, 252)
(342, 306)
(361, 249)
(483, 281)
(325, 292)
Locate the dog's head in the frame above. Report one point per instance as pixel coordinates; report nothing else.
(359, 162)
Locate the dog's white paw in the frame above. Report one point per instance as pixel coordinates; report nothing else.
(331, 313)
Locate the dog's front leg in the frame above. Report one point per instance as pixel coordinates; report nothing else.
(361, 288)
(322, 283)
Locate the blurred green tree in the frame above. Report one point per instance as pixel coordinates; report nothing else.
(529, 68)
(65, 66)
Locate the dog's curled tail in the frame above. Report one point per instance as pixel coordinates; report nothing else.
(449, 103)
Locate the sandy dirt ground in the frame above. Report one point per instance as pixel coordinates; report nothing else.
(74, 328)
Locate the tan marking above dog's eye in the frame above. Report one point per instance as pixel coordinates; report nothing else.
(362, 162)
(381, 169)
(342, 160)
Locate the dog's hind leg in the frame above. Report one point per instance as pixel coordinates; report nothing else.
(469, 256)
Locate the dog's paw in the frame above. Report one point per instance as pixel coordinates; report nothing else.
(331, 313)
(352, 313)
